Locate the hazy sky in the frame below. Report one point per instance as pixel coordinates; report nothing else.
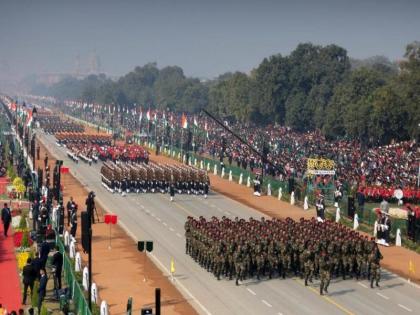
(205, 38)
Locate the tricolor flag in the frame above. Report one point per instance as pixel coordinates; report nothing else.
(184, 121)
(148, 115)
(29, 118)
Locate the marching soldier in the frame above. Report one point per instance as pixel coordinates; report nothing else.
(324, 273)
(375, 267)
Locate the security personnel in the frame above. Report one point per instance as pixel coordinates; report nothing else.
(172, 190)
(320, 207)
(73, 222)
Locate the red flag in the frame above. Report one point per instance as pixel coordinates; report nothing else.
(64, 170)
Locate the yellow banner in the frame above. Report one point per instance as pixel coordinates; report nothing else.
(320, 165)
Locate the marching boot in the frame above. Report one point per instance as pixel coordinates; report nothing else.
(320, 291)
(326, 289)
(377, 283)
(371, 283)
(306, 282)
(237, 282)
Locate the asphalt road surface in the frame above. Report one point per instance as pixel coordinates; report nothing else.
(154, 217)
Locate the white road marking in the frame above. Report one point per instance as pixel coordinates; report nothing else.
(153, 215)
(362, 284)
(165, 224)
(405, 307)
(382, 296)
(179, 235)
(252, 292)
(171, 229)
(157, 218)
(227, 213)
(266, 303)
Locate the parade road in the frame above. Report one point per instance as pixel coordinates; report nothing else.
(154, 217)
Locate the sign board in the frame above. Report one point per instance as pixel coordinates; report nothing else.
(320, 167)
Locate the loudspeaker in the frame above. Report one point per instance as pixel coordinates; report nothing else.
(350, 207)
(85, 231)
(140, 246)
(149, 246)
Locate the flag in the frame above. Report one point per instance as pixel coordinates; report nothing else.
(172, 265)
(64, 170)
(148, 115)
(184, 121)
(29, 118)
(195, 121)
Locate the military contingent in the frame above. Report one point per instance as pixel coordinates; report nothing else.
(239, 249)
(53, 124)
(125, 177)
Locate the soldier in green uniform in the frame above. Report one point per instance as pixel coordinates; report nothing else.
(375, 266)
(324, 273)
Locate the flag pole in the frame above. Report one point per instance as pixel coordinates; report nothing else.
(182, 142)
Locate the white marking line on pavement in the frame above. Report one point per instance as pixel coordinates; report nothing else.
(165, 224)
(157, 218)
(179, 235)
(266, 303)
(252, 292)
(227, 213)
(362, 284)
(405, 307)
(382, 296)
(171, 229)
(153, 215)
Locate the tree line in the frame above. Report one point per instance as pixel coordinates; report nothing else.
(314, 87)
